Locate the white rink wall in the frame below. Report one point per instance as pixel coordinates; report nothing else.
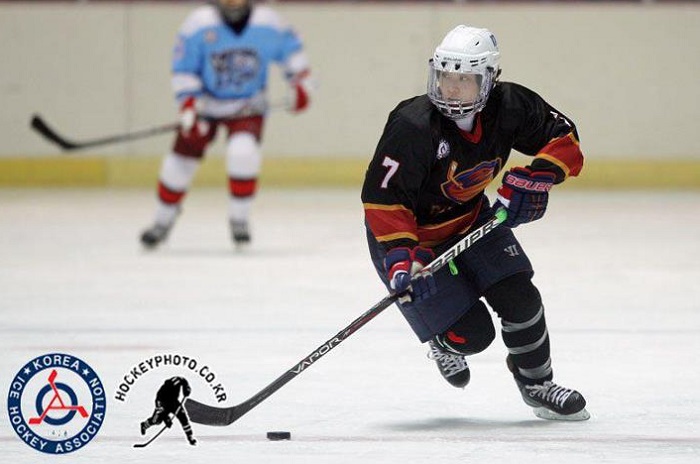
(626, 73)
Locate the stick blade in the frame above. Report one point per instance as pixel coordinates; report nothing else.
(204, 414)
(38, 124)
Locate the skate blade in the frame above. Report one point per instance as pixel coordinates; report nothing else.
(544, 413)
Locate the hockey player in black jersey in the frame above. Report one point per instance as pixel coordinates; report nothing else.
(424, 188)
(169, 402)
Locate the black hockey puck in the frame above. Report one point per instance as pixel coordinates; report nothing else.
(279, 435)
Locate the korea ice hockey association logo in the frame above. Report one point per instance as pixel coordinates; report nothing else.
(56, 403)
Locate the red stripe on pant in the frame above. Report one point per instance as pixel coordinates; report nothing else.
(242, 187)
(168, 196)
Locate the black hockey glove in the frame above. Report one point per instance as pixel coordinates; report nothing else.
(524, 194)
(401, 264)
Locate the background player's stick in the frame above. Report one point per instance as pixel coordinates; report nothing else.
(153, 438)
(39, 124)
(210, 415)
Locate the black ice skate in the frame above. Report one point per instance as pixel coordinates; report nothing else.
(240, 233)
(192, 440)
(452, 364)
(155, 235)
(552, 401)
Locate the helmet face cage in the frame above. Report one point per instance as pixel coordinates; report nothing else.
(462, 71)
(459, 94)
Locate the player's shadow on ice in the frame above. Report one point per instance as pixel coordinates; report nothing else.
(452, 424)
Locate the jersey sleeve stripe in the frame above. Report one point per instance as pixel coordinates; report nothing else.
(296, 63)
(565, 153)
(396, 236)
(183, 83)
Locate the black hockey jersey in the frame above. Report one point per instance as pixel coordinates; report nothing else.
(427, 178)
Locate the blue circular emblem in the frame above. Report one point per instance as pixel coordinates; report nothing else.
(56, 403)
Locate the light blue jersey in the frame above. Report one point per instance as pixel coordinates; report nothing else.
(227, 71)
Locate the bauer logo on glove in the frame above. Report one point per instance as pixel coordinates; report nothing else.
(527, 184)
(524, 194)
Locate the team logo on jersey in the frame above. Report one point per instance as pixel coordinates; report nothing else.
(167, 379)
(443, 150)
(210, 37)
(465, 185)
(235, 67)
(56, 403)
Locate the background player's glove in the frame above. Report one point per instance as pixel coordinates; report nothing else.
(402, 263)
(300, 92)
(191, 126)
(524, 194)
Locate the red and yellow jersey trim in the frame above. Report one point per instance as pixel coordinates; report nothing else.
(434, 234)
(391, 222)
(565, 153)
(395, 222)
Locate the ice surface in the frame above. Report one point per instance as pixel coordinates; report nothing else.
(618, 273)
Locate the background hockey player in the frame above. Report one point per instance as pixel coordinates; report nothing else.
(425, 187)
(220, 74)
(169, 401)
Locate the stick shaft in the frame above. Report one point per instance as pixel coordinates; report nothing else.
(153, 438)
(39, 124)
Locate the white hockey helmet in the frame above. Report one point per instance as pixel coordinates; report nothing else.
(463, 70)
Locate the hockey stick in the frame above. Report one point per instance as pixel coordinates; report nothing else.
(39, 124)
(210, 415)
(153, 438)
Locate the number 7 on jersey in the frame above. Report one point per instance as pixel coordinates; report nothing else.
(393, 166)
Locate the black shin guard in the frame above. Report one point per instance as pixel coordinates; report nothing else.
(523, 327)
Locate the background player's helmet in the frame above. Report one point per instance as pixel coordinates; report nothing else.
(233, 10)
(463, 70)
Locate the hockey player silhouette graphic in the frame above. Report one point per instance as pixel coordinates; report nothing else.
(168, 404)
